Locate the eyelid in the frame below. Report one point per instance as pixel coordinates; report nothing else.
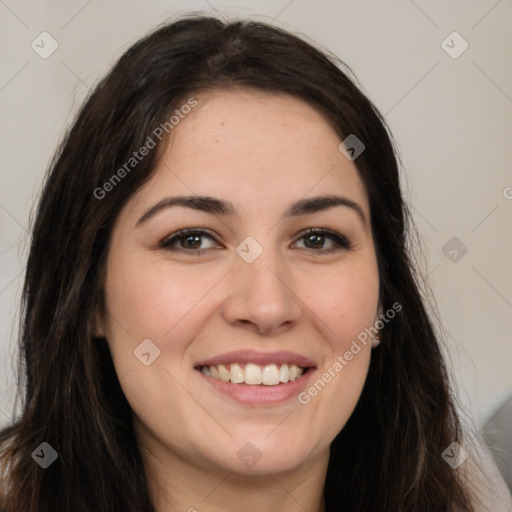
(182, 233)
(341, 241)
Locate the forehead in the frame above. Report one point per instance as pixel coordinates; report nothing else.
(253, 148)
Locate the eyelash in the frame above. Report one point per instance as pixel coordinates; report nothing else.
(342, 243)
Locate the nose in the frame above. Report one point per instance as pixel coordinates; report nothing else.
(261, 295)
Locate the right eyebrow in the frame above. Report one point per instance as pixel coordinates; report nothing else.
(227, 208)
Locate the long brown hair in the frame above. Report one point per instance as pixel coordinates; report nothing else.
(387, 457)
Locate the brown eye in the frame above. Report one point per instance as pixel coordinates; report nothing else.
(186, 240)
(315, 239)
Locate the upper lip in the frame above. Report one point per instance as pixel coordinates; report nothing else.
(259, 358)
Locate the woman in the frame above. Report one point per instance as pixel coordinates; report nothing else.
(220, 311)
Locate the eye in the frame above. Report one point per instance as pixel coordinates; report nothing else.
(186, 240)
(190, 241)
(316, 238)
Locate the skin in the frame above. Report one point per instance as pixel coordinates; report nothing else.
(263, 152)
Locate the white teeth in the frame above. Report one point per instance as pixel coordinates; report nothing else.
(295, 372)
(270, 375)
(214, 372)
(223, 373)
(284, 373)
(252, 374)
(237, 374)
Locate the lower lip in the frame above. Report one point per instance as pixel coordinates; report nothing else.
(260, 394)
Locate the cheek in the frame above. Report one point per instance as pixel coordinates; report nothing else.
(148, 300)
(347, 302)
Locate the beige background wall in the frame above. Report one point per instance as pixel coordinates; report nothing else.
(452, 118)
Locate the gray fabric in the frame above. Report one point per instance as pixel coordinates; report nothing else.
(497, 434)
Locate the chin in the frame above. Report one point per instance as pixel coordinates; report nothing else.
(270, 463)
(264, 455)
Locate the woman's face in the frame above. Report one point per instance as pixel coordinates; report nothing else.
(249, 288)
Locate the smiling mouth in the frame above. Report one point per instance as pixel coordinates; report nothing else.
(253, 374)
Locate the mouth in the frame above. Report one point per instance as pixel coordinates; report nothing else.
(254, 378)
(254, 375)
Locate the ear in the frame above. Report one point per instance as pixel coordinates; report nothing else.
(98, 324)
(376, 338)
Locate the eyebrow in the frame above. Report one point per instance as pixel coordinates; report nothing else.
(227, 208)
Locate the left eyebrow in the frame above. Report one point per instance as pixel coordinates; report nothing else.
(320, 203)
(227, 208)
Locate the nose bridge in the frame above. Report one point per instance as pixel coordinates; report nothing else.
(267, 273)
(261, 291)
